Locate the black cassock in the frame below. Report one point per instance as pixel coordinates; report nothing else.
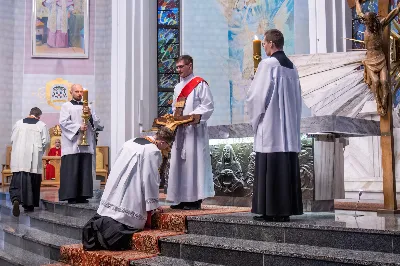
(277, 187)
(103, 232)
(76, 179)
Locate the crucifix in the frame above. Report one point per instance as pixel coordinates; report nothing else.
(377, 76)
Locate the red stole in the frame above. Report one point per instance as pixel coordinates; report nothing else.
(187, 90)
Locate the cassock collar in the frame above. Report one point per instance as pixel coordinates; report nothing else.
(74, 102)
(187, 78)
(30, 120)
(283, 59)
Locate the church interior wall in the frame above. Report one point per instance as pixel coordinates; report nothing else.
(26, 79)
(6, 73)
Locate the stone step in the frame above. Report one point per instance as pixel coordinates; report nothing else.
(74, 210)
(342, 231)
(12, 255)
(168, 261)
(238, 252)
(48, 221)
(36, 241)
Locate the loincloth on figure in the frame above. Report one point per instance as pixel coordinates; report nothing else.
(375, 64)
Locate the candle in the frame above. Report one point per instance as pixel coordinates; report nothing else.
(256, 52)
(85, 95)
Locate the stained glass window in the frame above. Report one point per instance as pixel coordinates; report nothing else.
(168, 41)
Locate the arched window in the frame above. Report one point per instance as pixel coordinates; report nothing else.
(168, 45)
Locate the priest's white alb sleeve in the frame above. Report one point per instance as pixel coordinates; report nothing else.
(206, 106)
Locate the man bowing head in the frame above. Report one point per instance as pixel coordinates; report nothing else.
(131, 194)
(190, 175)
(76, 180)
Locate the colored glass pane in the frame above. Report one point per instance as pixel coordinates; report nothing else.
(168, 52)
(166, 66)
(168, 4)
(167, 36)
(165, 98)
(162, 110)
(168, 80)
(169, 17)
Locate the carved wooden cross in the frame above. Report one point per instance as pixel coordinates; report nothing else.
(386, 123)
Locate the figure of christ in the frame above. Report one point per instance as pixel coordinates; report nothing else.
(55, 151)
(131, 194)
(376, 71)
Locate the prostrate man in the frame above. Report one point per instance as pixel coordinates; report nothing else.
(130, 195)
(29, 139)
(190, 174)
(76, 180)
(274, 107)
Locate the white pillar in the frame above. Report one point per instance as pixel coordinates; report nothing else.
(134, 70)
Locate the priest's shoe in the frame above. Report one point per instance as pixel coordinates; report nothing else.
(263, 218)
(15, 210)
(193, 205)
(179, 206)
(282, 219)
(29, 209)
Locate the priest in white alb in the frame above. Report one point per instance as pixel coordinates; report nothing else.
(131, 194)
(274, 106)
(29, 140)
(76, 179)
(190, 178)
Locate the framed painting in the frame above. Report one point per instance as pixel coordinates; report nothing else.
(60, 28)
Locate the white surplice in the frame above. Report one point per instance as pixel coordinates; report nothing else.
(274, 106)
(190, 175)
(132, 187)
(70, 123)
(28, 141)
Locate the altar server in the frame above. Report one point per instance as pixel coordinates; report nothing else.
(29, 139)
(130, 196)
(76, 179)
(190, 175)
(274, 106)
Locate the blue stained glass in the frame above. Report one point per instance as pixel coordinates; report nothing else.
(168, 4)
(167, 36)
(168, 80)
(162, 110)
(165, 98)
(169, 17)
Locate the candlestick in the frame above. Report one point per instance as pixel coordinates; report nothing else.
(85, 117)
(256, 52)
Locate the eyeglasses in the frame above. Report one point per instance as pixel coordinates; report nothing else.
(181, 66)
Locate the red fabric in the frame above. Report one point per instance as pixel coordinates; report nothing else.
(190, 87)
(50, 170)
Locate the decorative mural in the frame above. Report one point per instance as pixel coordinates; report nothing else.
(245, 19)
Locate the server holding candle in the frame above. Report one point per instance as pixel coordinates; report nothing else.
(78, 123)
(274, 107)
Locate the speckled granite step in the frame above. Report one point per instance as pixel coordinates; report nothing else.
(74, 210)
(369, 233)
(48, 221)
(12, 255)
(36, 241)
(168, 261)
(238, 252)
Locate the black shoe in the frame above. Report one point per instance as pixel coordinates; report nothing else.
(15, 210)
(72, 201)
(193, 205)
(82, 201)
(282, 219)
(179, 206)
(263, 218)
(29, 209)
